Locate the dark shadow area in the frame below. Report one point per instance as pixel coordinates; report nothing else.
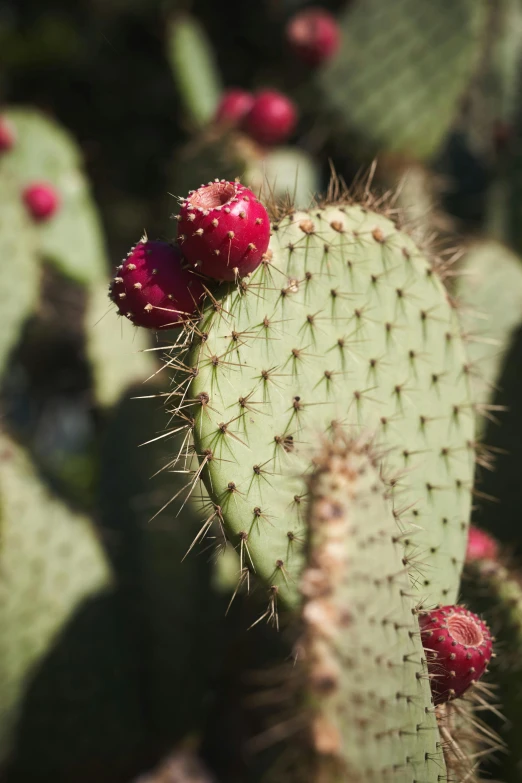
(83, 717)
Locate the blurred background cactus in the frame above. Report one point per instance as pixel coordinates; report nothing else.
(120, 658)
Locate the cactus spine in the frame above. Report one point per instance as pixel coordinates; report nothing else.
(345, 323)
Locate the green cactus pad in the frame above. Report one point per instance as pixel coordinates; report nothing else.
(194, 68)
(490, 292)
(361, 643)
(43, 151)
(402, 70)
(20, 281)
(50, 562)
(344, 322)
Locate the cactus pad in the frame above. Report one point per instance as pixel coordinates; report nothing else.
(403, 67)
(345, 322)
(44, 152)
(361, 642)
(21, 272)
(50, 562)
(490, 291)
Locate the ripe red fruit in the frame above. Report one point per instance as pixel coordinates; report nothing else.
(458, 647)
(154, 288)
(233, 106)
(7, 135)
(223, 230)
(272, 118)
(481, 546)
(41, 200)
(313, 36)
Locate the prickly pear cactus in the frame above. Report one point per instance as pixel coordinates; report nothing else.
(360, 630)
(20, 282)
(44, 152)
(345, 322)
(489, 290)
(396, 82)
(50, 563)
(194, 69)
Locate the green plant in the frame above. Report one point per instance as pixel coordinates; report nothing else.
(344, 332)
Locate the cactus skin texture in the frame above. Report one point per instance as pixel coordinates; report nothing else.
(344, 322)
(360, 631)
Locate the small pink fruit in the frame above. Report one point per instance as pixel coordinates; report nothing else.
(7, 135)
(313, 36)
(481, 546)
(41, 200)
(458, 645)
(154, 288)
(223, 230)
(272, 118)
(233, 106)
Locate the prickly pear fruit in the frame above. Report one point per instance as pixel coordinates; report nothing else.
(223, 230)
(154, 288)
(458, 646)
(313, 36)
(7, 135)
(481, 546)
(41, 199)
(233, 106)
(272, 118)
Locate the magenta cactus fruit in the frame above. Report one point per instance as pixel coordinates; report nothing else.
(41, 199)
(154, 288)
(272, 118)
(458, 645)
(481, 546)
(233, 106)
(313, 36)
(223, 230)
(7, 135)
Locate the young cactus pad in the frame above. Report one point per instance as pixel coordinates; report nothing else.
(355, 588)
(344, 322)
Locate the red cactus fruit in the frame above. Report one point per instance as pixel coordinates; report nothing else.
(313, 36)
(41, 199)
(458, 647)
(481, 546)
(233, 106)
(272, 118)
(154, 288)
(223, 230)
(7, 135)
